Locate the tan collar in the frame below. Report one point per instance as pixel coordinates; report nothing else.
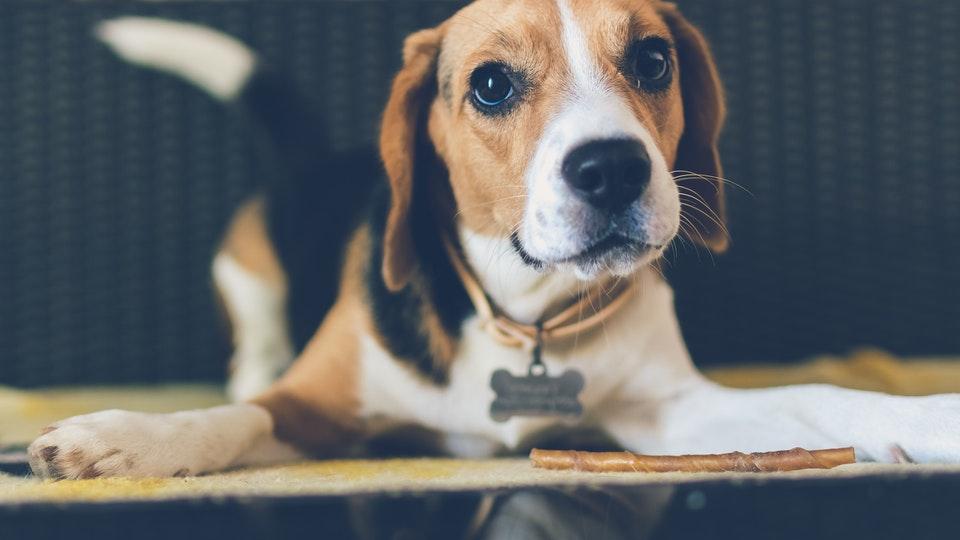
(598, 304)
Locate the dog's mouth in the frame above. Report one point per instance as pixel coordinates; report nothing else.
(610, 247)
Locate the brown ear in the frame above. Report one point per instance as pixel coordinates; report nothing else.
(399, 132)
(698, 160)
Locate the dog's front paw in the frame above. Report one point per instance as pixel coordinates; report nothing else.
(107, 443)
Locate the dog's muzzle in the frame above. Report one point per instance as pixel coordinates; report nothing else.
(597, 215)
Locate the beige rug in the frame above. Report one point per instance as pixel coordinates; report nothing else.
(397, 476)
(23, 413)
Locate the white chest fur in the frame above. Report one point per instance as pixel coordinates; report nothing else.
(629, 345)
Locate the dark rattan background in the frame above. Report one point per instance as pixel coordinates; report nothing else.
(115, 183)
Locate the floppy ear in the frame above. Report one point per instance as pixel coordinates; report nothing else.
(703, 111)
(399, 131)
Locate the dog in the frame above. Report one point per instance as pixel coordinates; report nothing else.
(539, 151)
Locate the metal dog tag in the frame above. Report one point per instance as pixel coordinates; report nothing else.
(537, 393)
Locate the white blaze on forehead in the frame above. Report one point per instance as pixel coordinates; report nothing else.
(557, 224)
(586, 75)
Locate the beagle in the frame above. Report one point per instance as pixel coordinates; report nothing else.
(560, 146)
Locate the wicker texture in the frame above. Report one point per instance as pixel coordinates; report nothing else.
(115, 183)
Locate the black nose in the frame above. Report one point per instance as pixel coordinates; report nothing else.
(608, 174)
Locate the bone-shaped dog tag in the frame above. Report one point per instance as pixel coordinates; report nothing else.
(536, 394)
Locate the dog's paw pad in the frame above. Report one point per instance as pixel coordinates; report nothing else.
(49, 453)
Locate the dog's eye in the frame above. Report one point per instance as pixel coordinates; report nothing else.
(491, 86)
(650, 64)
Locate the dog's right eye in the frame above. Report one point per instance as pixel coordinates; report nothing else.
(491, 87)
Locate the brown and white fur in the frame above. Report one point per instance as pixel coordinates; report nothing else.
(490, 178)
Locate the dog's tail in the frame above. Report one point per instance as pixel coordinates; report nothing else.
(308, 218)
(229, 71)
(215, 62)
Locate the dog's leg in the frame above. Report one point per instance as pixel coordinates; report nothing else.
(664, 405)
(310, 408)
(313, 406)
(124, 443)
(707, 418)
(253, 287)
(262, 348)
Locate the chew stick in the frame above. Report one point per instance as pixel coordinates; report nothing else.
(784, 460)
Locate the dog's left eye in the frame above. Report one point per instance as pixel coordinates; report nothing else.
(650, 64)
(491, 86)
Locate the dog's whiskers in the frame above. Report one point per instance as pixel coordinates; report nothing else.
(686, 205)
(685, 220)
(709, 213)
(688, 175)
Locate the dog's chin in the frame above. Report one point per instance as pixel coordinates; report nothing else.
(614, 255)
(621, 259)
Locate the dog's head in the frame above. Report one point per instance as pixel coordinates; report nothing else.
(561, 124)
